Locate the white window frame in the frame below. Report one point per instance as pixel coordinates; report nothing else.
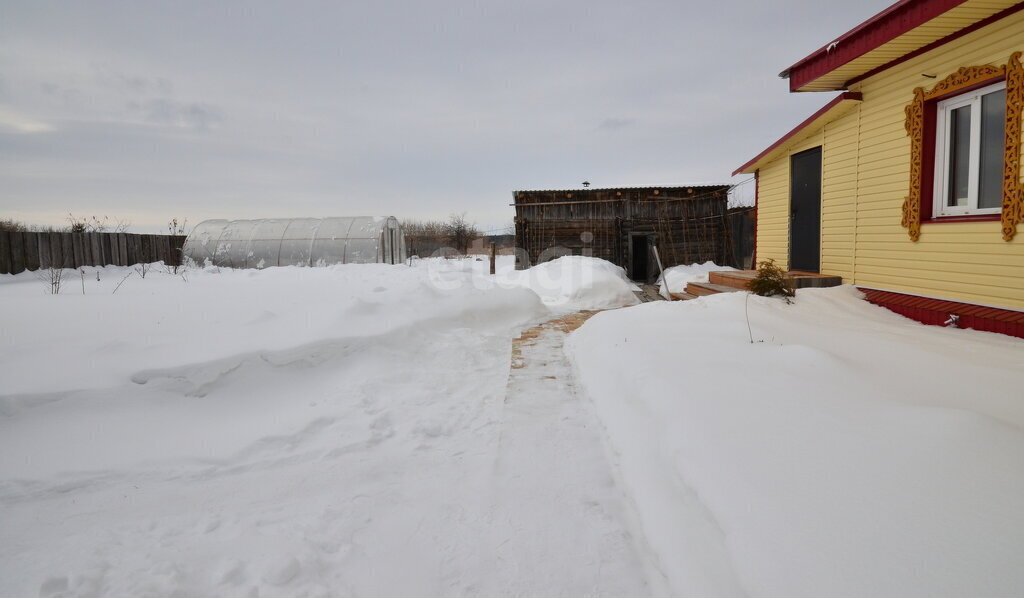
(942, 134)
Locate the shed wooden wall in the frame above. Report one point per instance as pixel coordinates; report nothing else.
(865, 177)
(690, 227)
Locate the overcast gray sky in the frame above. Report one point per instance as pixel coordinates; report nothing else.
(152, 110)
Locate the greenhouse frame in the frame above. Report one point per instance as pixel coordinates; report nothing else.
(296, 242)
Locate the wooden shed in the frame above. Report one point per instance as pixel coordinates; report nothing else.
(686, 224)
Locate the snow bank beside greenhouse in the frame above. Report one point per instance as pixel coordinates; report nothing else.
(847, 451)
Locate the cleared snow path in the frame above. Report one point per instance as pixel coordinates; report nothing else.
(560, 522)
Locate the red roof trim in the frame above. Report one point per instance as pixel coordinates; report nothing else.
(935, 44)
(879, 29)
(847, 95)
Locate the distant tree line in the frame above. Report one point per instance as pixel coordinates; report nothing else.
(426, 237)
(76, 224)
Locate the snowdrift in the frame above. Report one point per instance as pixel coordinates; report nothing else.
(573, 283)
(278, 432)
(564, 285)
(847, 451)
(678, 276)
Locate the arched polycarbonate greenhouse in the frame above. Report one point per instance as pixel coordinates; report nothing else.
(296, 242)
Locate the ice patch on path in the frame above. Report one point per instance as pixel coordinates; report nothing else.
(679, 276)
(846, 452)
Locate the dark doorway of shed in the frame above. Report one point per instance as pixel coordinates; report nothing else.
(639, 257)
(805, 211)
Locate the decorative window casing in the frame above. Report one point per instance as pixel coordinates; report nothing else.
(955, 179)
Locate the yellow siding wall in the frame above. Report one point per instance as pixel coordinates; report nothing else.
(865, 176)
(773, 204)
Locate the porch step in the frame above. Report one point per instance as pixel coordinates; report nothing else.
(740, 279)
(682, 296)
(702, 289)
(803, 280)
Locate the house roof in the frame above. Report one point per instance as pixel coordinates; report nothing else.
(839, 104)
(906, 28)
(645, 188)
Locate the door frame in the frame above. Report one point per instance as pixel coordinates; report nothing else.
(630, 270)
(821, 172)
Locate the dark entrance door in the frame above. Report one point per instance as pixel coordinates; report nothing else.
(639, 257)
(805, 211)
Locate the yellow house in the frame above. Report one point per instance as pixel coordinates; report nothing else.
(908, 182)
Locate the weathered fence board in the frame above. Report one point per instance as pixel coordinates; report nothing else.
(43, 243)
(86, 250)
(76, 250)
(68, 249)
(115, 251)
(31, 251)
(5, 253)
(167, 248)
(20, 251)
(131, 255)
(109, 245)
(97, 253)
(56, 255)
(17, 245)
(122, 246)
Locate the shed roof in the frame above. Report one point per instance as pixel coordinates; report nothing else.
(647, 188)
(903, 30)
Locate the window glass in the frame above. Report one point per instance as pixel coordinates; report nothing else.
(993, 140)
(959, 156)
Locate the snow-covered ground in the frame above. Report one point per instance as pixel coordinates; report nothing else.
(358, 431)
(285, 432)
(847, 451)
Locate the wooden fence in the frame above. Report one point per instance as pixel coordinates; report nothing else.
(742, 226)
(32, 251)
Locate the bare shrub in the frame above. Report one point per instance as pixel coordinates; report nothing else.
(121, 283)
(93, 224)
(175, 228)
(460, 232)
(53, 276)
(11, 225)
(423, 237)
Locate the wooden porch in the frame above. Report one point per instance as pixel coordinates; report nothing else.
(729, 281)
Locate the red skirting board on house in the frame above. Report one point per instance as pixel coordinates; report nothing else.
(938, 311)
